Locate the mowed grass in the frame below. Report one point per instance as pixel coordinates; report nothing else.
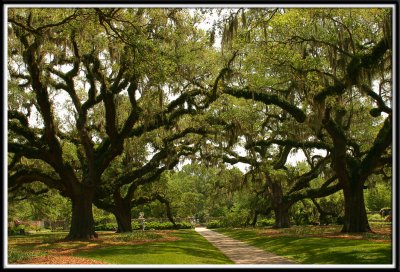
(190, 248)
(319, 245)
(148, 247)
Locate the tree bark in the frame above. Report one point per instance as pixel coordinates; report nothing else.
(254, 221)
(168, 209)
(323, 216)
(124, 220)
(355, 215)
(122, 213)
(282, 219)
(82, 223)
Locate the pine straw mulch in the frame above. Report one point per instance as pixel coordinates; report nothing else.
(63, 259)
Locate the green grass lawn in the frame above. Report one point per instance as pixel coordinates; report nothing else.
(303, 245)
(149, 247)
(191, 248)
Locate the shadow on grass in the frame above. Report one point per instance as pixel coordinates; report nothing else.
(313, 250)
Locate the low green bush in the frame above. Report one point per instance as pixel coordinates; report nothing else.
(236, 218)
(375, 217)
(214, 224)
(184, 225)
(265, 222)
(135, 225)
(18, 230)
(33, 228)
(301, 218)
(167, 225)
(158, 225)
(161, 225)
(105, 227)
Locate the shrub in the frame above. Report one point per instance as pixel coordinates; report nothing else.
(374, 217)
(168, 225)
(236, 218)
(135, 225)
(265, 222)
(301, 219)
(214, 224)
(33, 228)
(161, 225)
(105, 227)
(304, 213)
(184, 225)
(17, 230)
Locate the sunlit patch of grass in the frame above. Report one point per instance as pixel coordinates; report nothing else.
(190, 248)
(138, 247)
(16, 255)
(303, 247)
(303, 230)
(135, 236)
(380, 232)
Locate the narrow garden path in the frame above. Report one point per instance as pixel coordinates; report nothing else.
(240, 252)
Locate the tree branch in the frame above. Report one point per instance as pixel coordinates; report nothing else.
(268, 99)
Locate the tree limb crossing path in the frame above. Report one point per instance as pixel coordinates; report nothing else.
(240, 252)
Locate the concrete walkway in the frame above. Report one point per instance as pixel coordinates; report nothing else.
(240, 252)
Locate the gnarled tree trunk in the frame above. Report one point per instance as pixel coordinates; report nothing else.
(124, 220)
(122, 213)
(82, 223)
(282, 219)
(355, 215)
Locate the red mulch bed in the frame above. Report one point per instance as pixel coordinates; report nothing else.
(59, 260)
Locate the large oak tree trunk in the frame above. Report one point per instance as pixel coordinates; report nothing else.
(355, 215)
(282, 219)
(82, 223)
(122, 213)
(124, 220)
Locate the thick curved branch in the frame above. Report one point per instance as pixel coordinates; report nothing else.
(26, 132)
(237, 158)
(304, 180)
(378, 99)
(28, 152)
(280, 162)
(313, 193)
(25, 176)
(291, 143)
(268, 99)
(167, 204)
(382, 141)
